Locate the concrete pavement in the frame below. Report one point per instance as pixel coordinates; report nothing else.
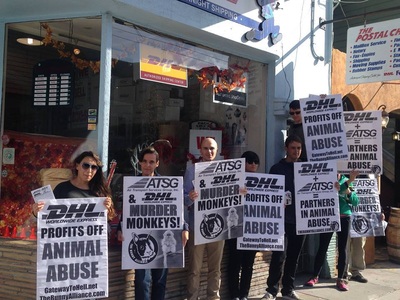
(383, 283)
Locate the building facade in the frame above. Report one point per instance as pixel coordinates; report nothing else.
(115, 76)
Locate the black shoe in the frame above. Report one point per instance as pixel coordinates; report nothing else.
(359, 278)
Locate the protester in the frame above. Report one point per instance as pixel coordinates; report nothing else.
(87, 182)
(294, 242)
(208, 152)
(356, 259)
(241, 259)
(347, 198)
(296, 127)
(356, 252)
(149, 161)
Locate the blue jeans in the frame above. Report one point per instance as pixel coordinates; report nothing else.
(158, 277)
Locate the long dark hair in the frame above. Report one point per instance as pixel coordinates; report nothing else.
(97, 184)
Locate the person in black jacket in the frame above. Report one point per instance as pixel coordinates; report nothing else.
(294, 242)
(296, 127)
(149, 161)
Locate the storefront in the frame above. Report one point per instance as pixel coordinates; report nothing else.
(53, 107)
(117, 76)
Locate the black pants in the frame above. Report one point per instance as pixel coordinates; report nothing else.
(239, 259)
(324, 240)
(294, 244)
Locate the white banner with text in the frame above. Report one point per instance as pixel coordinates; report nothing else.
(72, 249)
(264, 213)
(317, 202)
(152, 222)
(218, 211)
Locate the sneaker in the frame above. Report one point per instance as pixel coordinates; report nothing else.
(236, 298)
(291, 295)
(341, 285)
(268, 296)
(359, 278)
(313, 281)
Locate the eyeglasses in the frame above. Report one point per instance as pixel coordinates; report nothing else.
(295, 113)
(250, 162)
(86, 166)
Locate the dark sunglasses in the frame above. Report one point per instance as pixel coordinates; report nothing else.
(294, 113)
(250, 162)
(86, 166)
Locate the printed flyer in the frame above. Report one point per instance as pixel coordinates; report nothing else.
(218, 211)
(72, 249)
(264, 224)
(44, 192)
(152, 222)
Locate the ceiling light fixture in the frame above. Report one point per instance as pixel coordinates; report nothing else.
(77, 51)
(29, 41)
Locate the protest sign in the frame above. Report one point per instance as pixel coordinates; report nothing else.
(152, 222)
(72, 249)
(317, 202)
(218, 211)
(323, 127)
(364, 139)
(366, 217)
(264, 227)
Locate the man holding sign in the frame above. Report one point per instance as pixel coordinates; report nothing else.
(140, 249)
(294, 242)
(208, 151)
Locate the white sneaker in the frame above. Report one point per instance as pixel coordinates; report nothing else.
(291, 296)
(268, 296)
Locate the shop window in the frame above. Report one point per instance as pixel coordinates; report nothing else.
(152, 107)
(144, 110)
(149, 107)
(45, 134)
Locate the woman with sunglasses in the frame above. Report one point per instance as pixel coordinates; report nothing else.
(87, 182)
(241, 259)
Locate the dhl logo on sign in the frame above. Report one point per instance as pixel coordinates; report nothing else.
(158, 65)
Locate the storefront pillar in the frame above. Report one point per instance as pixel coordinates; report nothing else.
(105, 88)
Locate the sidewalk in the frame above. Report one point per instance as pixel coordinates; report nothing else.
(383, 283)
